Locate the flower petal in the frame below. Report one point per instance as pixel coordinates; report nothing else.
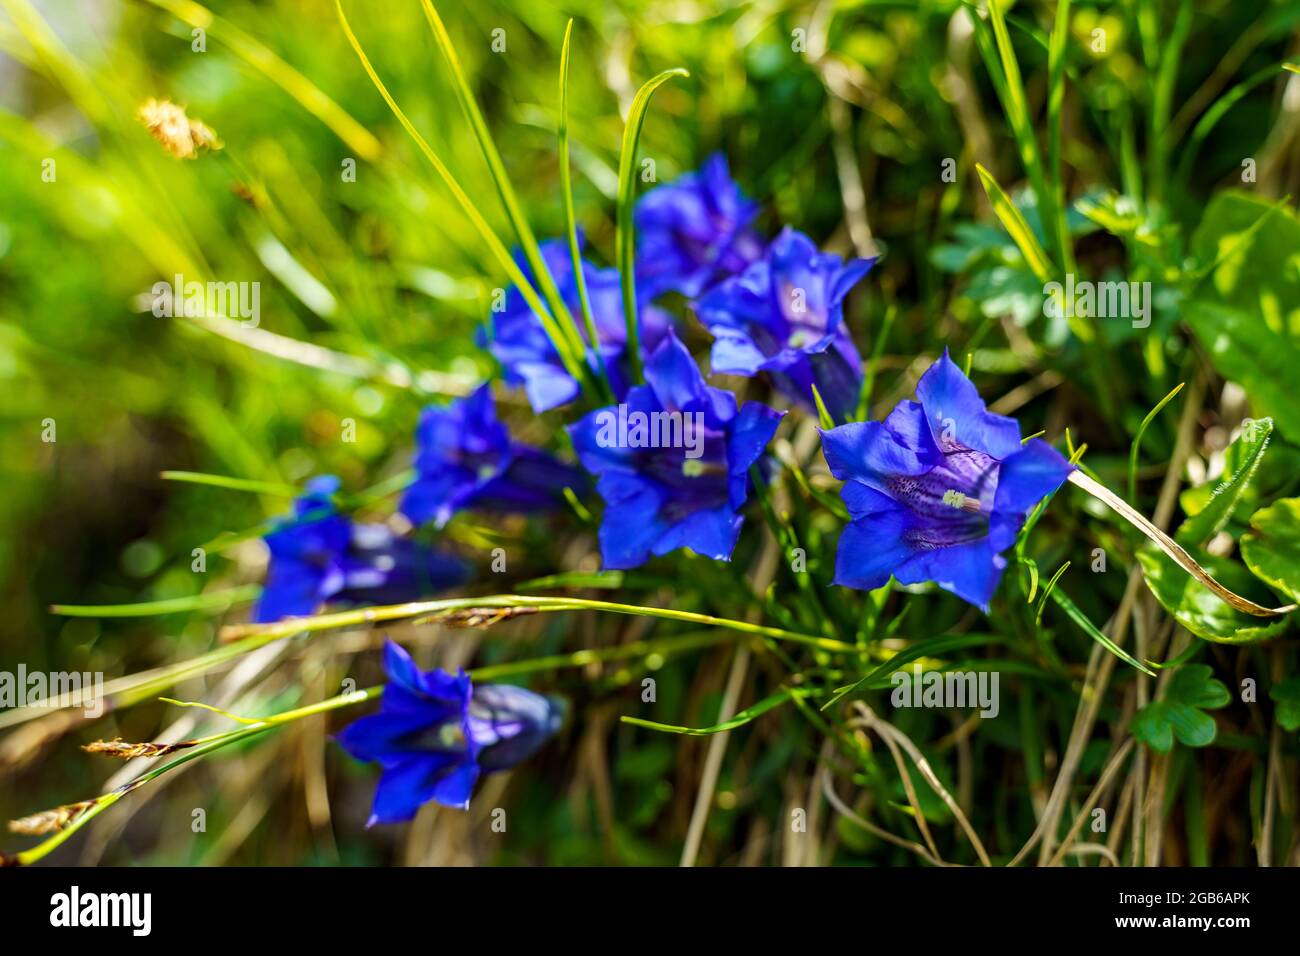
(872, 547)
(407, 784)
(632, 523)
(710, 533)
(873, 452)
(1025, 478)
(957, 414)
(971, 570)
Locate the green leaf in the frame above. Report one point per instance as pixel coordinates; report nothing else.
(1286, 695)
(931, 647)
(744, 717)
(1271, 548)
(1180, 714)
(1081, 619)
(570, 219)
(505, 190)
(558, 334)
(1137, 439)
(1217, 505)
(1017, 227)
(824, 418)
(624, 235)
(216, 601)
(1244, 313)
(1197, 608)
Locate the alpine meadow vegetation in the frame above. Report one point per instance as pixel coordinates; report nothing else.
(747, 434)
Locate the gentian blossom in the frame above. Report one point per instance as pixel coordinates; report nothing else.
(465, 458)
(320, 556)
(681, 493)
(436, 733)
(694, 232)
(516, 337)
(938, 490)
(784, 315)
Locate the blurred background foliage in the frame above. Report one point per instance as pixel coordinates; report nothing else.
(838, 116)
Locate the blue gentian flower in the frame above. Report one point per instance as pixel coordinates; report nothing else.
(938, 490)
(672, 462)
(694, 231)
(516, 337)
(465, 458)
(785, 315)
(320, 556)
(436, 733)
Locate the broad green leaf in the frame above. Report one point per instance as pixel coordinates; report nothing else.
(1244, 349)
(1216, 505)
(1247, 311)
(1180, 713)
(1286, 695)
(1272, 547)
(1198, 609)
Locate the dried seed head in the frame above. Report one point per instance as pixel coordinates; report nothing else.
(181, 136)
(49, 821)
(128, 751)
(480, 616)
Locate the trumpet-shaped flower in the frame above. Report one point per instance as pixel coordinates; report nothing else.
(465, 458)
(516, 337)
(784, 315)
(938, 490)
(436, 733)
(672, 462)
(320, 556)
(694, 231)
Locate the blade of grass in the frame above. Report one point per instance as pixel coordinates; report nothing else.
(434, 610)
(1016, 106)
(625, 237)
(231, 484)
(1014, 222)
(1081, 619)
(570, 219)
(209, 601)
(1170, 48)
(1055, 98)
(739, 720)
(1137, 440)
(559, 340)
(926, 648)
(505, 190)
